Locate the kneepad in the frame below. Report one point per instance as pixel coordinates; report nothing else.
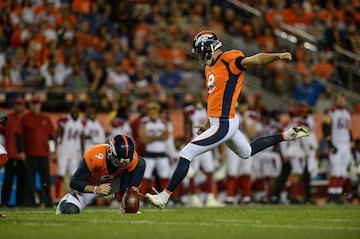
(70, 208)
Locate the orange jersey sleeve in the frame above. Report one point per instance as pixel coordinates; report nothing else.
(224, 80)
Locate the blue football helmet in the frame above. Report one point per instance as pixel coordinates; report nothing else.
(121, 151)
(205, 44)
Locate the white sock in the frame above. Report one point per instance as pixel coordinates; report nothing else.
(165, 195)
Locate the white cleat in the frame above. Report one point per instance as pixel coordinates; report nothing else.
(195, 201)
(58, 208)
(296, 132)
(156, 200)
(213, 202)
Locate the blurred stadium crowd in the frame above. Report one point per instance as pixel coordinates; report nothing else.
(96, 50)
(114, 56)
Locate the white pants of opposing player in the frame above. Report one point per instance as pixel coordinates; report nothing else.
(236, 166)
(81, 200)
(205, 161)
(266, 163)
(220, 131)
(311, 146)
(68, 160)
(296, 153)
(161, 164)
(339, 161)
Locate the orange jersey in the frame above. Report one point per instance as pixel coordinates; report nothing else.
(224, 80)
(95, 159)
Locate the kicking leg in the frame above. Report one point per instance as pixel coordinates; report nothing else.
(261, 143)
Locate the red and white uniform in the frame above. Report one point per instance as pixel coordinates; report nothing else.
(155, 152)
(3, 152)
(311, 145)
(267, 163)
(171, 150)
(340, 137)
(96, 132)
(69, 144)
(3, 155)
(295, 150)
(120, 126)
(239, 171)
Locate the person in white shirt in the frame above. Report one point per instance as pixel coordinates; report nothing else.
(69, 134)
(337, 132)
(155, 133)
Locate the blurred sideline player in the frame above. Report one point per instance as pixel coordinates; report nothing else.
(355, 171)
(154, 133)
(94, 132)
(195, 114)
(224, 72)
(15, 167)
(267, 163)
(135, 124)
(311, 148)
(295, 152)
(3, 153)
(69, 133)
(337, 131)
(105, 170)
(35, 142)
(239, 171)
(171, 149)
(120, 124)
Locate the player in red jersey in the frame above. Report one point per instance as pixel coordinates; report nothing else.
(224, 72)
(105, 170)
(35, 143)
(15, 167)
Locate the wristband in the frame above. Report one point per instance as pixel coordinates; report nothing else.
(95, 189)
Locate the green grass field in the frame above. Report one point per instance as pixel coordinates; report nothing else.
(255, 221)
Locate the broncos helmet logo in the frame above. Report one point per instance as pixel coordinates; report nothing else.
(205, 44)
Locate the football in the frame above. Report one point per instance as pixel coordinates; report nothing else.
(131, 200)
